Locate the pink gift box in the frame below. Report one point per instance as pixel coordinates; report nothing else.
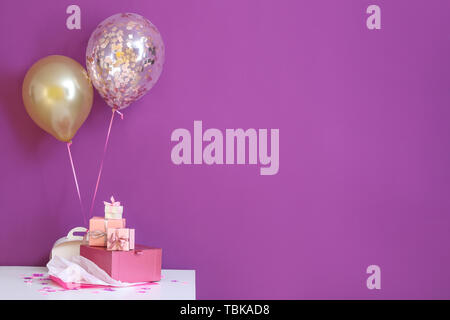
(119, 239)
(142, 264)
(98, 227)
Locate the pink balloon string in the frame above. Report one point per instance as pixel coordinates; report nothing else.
(76, 181)
(114, 110)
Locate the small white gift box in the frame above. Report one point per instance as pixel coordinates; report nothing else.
(113, 210)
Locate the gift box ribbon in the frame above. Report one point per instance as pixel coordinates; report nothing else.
(96, 234)
(117, 242)
(113, 202)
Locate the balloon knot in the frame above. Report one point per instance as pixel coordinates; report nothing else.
(120, 113)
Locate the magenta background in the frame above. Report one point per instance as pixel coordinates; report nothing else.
(364, 145)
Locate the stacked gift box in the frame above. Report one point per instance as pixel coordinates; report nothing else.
(112, 247)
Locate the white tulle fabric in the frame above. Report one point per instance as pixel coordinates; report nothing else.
(80, 270)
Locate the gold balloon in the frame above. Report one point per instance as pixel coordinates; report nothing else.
(58, 95)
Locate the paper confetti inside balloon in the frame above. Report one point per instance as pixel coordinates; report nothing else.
(124, 58)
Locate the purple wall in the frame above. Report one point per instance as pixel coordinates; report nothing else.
(364, 145)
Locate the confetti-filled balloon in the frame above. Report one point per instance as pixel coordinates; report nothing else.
(124, 58)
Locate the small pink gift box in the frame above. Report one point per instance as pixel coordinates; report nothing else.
(119, 239)
(143, 264)
(98, 227)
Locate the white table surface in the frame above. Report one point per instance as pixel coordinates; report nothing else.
(32, 283)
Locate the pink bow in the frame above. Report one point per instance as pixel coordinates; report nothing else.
(113, 202)
(117, 242)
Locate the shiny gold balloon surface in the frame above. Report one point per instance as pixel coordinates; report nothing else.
(58, 95)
